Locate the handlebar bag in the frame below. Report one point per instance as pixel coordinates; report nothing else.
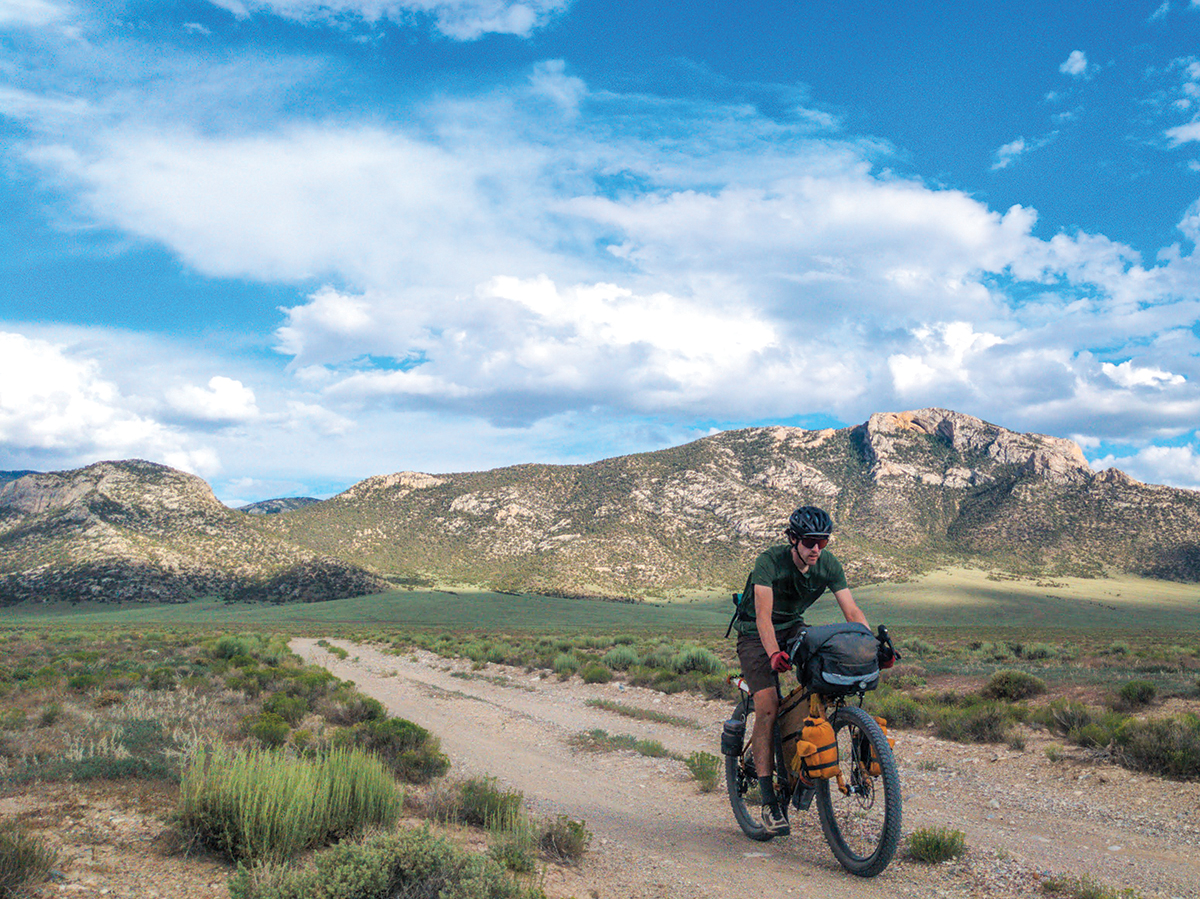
(837, 659)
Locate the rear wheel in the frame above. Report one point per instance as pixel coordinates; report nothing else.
(862, 826)
(741, 781)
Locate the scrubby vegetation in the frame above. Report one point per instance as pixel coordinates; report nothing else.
(403, 863)
(24, 860)
(936, 844)
(271, 758)
(261, 805)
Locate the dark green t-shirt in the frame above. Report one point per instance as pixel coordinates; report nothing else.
(794, 592)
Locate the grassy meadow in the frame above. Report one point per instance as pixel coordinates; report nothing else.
(950, 598)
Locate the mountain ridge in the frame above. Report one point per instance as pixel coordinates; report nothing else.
(910, 491)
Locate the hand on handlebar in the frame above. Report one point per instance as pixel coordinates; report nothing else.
(780, 662)
(886, 653)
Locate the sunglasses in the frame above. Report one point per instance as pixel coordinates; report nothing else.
(814, 542)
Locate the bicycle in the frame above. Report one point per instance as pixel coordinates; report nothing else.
(860, 810)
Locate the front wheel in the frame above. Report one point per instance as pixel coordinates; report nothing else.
(741, 781)
(862, 826)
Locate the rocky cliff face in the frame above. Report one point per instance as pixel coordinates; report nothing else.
(135, 530)
(909, 491)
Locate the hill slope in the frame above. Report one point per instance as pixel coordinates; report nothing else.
(141, 531)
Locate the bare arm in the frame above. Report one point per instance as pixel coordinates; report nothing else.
(848, 606)
(764, 603)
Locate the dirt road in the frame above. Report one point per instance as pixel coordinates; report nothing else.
(657, 836)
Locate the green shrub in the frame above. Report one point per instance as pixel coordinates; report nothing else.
(650, 748)
(268, 728)
(564, 839)
(660, 656)
(408, 864)
(1065, 716)
(515, 847)
(995, 652)
(921, 648)
(1137, 693)
(412, 752)
(50, 715)
(482, 802)
(1169, 747)
(985, 722)
(231, 646)
(81, 683)
(1013, 685)
(936, 844)
(267, 806)
(348, 710)
(899, 710)
(291, 709)
(564, 664)
(696, 658)
(595, 673)
(161, 678)
(620, 658)
(705, 768)
(1035, 651)
(24, 860)
(142, 736)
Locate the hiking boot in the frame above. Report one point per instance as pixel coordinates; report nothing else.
(774, 821)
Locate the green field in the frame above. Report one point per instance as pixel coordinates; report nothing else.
(952, 598)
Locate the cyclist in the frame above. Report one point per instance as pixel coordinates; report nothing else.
(786, 580)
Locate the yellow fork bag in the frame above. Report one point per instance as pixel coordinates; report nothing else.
(867, 752)
(821, 758)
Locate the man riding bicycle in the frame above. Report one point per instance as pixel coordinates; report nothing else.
(786, 580)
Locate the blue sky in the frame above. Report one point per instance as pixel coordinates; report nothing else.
(288, 244)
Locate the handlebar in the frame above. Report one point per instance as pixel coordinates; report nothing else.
(885, 644)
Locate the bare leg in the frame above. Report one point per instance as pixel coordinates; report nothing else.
(766, 708)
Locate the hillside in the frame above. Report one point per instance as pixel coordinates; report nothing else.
(910, 492)
(139, 531)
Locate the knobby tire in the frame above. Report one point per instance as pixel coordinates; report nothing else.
(863, 828)
(741, 781)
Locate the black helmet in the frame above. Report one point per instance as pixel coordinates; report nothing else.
(809, 521)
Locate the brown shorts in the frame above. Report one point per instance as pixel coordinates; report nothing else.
(756, 665)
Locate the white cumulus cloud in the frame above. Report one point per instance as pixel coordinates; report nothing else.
(223, 400)
(946, 356)
(1183, 134)
(1075, 65)
(1129, 375)
(55, 403)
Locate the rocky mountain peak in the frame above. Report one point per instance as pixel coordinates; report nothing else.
(129, 482)
(401, 483)
(887, 439)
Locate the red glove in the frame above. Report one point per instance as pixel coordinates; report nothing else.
(780, 662)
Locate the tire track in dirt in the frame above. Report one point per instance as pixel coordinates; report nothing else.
(657, 836)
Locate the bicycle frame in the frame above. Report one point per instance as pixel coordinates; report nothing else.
(800, 793)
